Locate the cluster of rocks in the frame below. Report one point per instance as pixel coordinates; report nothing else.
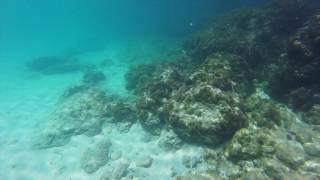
(215, 93)
(84, 109)
(200, 105)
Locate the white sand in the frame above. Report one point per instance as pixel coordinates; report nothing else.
(26, 99)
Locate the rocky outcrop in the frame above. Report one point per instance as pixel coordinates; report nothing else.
(200, 105)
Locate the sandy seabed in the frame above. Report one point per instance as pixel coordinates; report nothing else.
(25, 101)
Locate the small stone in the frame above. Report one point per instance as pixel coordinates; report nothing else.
(145, 162)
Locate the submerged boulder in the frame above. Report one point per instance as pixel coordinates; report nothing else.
(292, 154)
(205, 115)
(116, 173)
(96, 156)
(198, 123)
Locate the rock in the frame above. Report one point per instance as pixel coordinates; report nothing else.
(313, 115)
(50, 138)
(82, 113)
(255, 174)
(151, 123)
(250, 144)
(274, 169)
(291, 154)
(106, 63)
(146, 137)
(93, 77)
(312, 165)
(74, 89)
(312, 149)
(169, 141)
(144, 161)
(122, 111)
(118, 172)
(304, 133)
(138, 76)
(202, 123)
(265, 112)
(199, 175)
(95, 157)
(190, 161)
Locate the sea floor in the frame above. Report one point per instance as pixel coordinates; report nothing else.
(27, 98)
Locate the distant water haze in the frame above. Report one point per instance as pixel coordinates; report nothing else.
(52, 26)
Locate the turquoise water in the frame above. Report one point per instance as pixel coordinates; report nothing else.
(71, 39)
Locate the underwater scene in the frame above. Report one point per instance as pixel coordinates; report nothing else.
(159, 90)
